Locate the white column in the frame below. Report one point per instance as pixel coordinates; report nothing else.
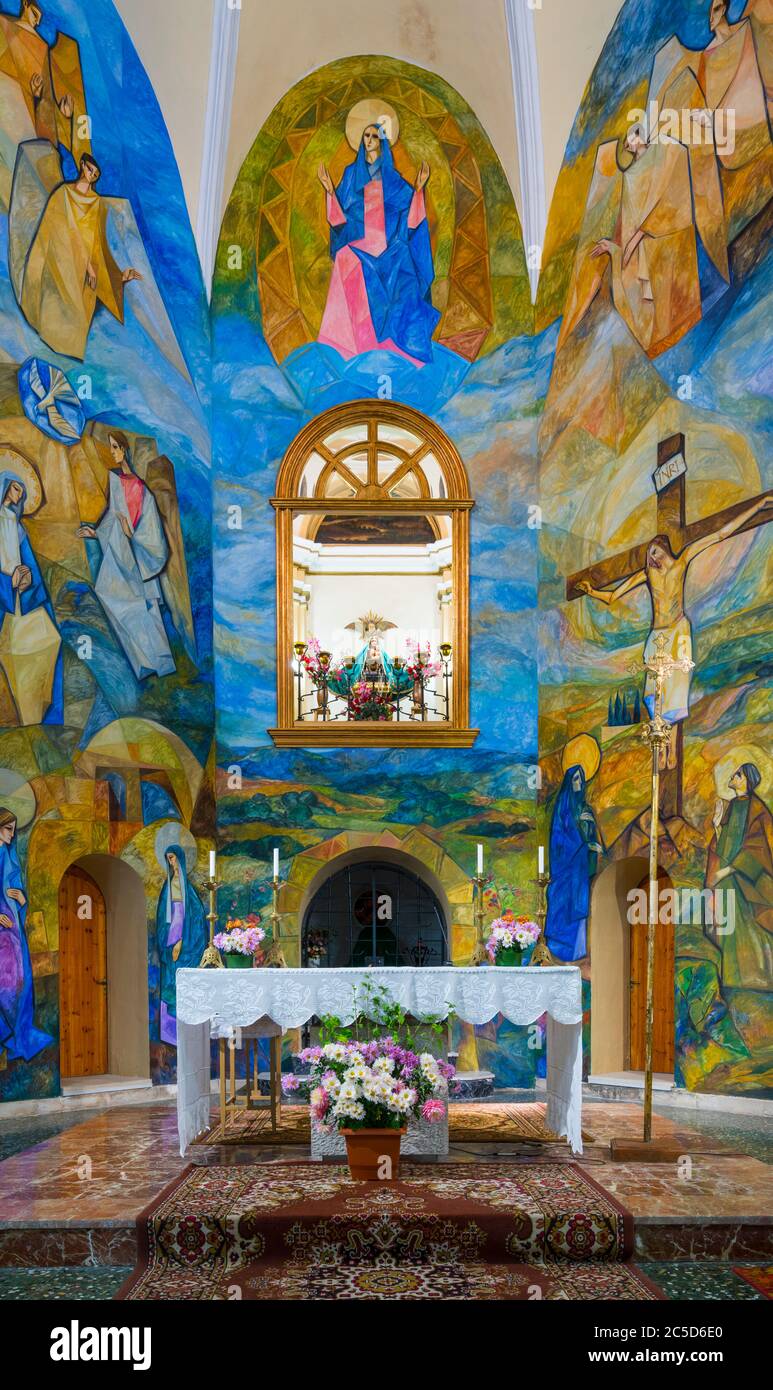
(528, 121)
(217, 125)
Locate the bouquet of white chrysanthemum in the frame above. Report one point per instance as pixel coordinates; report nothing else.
(373, 1085)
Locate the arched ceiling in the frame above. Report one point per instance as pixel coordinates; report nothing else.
(465, 43)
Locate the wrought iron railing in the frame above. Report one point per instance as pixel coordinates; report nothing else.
(338, 695)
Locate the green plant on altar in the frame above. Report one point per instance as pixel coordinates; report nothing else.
(378, 1014)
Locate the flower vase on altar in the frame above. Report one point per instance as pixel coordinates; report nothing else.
(510, 939)
(239, 944)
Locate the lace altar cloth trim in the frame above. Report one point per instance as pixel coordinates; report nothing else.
(236, 998)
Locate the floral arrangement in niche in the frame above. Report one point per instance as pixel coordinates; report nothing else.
(242, 936)
(511, 933)
(369, 701)
(371, 1085)
(420, 664)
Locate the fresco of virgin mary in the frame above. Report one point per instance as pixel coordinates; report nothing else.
(379, 294)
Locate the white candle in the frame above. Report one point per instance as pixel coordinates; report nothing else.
(212, 862)
(276, 862)
(541, 859)
(480, 861)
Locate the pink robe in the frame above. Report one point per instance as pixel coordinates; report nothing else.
(347, 325)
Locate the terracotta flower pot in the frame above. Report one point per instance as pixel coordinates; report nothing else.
(367, 1150)
(235, 960)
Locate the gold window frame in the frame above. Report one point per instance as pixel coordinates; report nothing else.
(457, 504)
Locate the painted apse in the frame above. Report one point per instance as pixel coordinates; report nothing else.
(105, 639)
(371, 251)
(655, 452)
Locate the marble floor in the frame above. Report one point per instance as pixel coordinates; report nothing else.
(71, 1188)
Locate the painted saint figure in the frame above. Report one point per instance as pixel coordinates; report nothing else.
(379, 295)
(740, 861)
(30, 645)
(665, 575)
(181, 934)
(575, 851)
(19, 1037)
(70, 267)
(654, 217)
(134, 552)
(41, 88)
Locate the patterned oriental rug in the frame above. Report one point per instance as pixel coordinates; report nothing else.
(309, 1231)
(468, 1123)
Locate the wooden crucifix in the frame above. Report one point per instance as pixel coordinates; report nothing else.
(662, 563)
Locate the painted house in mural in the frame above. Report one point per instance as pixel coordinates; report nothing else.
(421, 546)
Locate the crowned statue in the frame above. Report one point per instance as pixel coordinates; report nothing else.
(373, 663)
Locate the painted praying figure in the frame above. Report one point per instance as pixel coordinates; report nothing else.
(379, 295)
(134, 553)
(664, 574)
(740, 862)
(181, 934)
(19, 1038)
(30, 645)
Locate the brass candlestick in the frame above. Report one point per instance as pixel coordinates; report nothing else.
(541, 954)
(657, 733)
(479, 956)
(211, 959)
(275, 955)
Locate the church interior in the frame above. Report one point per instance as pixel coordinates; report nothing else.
(384, 572)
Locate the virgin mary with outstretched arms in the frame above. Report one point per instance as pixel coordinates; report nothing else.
(379, 295)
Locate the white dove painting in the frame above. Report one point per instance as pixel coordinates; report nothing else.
(50, 402)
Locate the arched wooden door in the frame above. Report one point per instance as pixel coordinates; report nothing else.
(663, 1011)
(82, 976)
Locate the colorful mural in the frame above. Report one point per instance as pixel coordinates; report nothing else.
(654, 462)
(371, 249)
(104, 508)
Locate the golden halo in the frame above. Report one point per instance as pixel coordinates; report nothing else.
(582, 751)
(11, 461)
(371, 111)
(742, 753)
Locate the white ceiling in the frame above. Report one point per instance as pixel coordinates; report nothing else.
(282, 40)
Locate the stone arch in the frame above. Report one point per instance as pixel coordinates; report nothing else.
(399, 845)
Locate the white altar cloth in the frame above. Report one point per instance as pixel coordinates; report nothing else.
(231, 999)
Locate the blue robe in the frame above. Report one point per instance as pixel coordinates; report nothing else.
(572, 866)
(194, 939)
(34, 597)
(18, 1034)
(398, 282)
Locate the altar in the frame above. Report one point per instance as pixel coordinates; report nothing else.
(223, 1000)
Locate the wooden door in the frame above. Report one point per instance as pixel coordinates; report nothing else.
(82, 976)
(663, 1012)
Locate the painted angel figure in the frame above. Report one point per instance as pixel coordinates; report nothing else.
(379, 294)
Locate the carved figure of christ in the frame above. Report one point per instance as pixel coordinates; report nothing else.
(661, 564)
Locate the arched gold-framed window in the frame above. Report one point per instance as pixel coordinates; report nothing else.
(373, 532)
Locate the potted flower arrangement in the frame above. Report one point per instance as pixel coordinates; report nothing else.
(370, 1083)
(510, 937)
(367, 1091)
(239, 944)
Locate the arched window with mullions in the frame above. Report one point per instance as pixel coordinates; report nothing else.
(373, 532)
